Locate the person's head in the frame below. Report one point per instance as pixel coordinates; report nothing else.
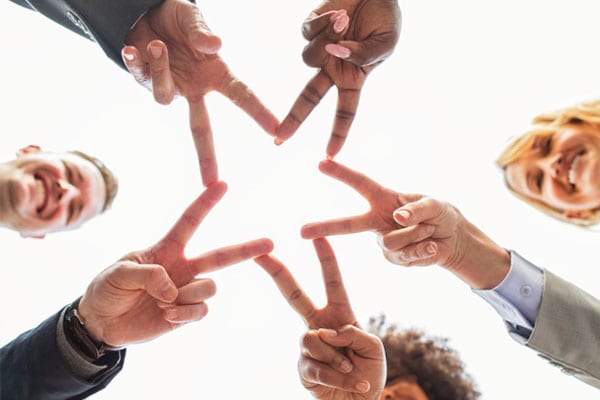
(555, 166)
(421, 367)
(43, 192)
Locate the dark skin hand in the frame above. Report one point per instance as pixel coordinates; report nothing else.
(171, 51)
(347, 40)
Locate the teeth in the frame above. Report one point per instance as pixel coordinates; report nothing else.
(572, 170)
(39, 193)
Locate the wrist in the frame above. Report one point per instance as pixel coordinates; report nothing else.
(484, 264)
(79, 338)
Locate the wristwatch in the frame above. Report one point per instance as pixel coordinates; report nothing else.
(80, 339)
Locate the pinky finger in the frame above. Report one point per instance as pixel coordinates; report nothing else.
(314, 372)
(421, 254)
(185, 313)
(136, 66)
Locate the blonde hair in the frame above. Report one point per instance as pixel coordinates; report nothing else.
(546, 124)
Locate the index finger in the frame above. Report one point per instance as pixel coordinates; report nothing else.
(340, 226)
(288, 286)
(187, 224)
(364, 185)
(226, 256)
(344, 116)
(203, 141)
(244, 98)
(310, 96)
(332, 277)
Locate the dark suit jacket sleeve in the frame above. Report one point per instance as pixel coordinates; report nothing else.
(567, 329)
(104, 21)
(32, 368)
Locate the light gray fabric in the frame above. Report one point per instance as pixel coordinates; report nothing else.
(567, 329)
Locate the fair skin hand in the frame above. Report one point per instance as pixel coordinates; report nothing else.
(172, 52)
(347, 40)
(151, 292)
(321, 373)
(326, 370)
(417, 230)
(561, 170)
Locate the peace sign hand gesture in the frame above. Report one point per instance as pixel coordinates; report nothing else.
(171, 51)
(150, 292)
(347, 40)
(338, 360)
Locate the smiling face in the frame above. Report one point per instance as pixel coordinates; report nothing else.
(42, 192)
(561, 170)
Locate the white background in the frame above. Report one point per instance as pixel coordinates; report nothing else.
(465, 77)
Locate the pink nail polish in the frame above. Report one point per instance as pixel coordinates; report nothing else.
(338, 51)
(129, 56)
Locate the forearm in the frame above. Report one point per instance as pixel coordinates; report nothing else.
(105, 21)
(32, 367)
(481, 263)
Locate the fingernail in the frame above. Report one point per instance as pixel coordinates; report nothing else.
(171, 314)
(430, 248)
(340, 23)
(337, 50)
(328, 332)
(278, 142)
(156, 51)
(403, 214)
(346, 366)
(329, 157)
(363, 386)
(128, 56)
(336, 15)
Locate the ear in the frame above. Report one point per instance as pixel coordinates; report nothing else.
(31, 149)
(577, 214)
(30, 235)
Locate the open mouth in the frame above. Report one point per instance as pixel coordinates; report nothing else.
(41, 192)
(571, 175)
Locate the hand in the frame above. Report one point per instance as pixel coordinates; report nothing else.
(347, 364)
(337, 312)
(172, 51)
(150, 292)
(347, 39)
(417, 230)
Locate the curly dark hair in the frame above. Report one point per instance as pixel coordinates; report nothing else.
(438, 369)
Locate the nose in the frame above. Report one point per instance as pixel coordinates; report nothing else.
(65, 191)
(553, 165)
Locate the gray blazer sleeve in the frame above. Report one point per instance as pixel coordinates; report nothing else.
(103, 21)
(567, 329)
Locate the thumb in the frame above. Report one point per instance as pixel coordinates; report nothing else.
(198, 34)
(415, 212)
(152, 278)
(351, 337)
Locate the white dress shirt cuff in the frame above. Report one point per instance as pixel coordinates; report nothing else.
(517, 298)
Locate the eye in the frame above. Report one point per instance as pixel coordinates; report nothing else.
(547, 145)
(539, 180)
(543, 144)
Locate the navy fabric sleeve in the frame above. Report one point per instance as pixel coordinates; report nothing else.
(104, 21)
(32, 368)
